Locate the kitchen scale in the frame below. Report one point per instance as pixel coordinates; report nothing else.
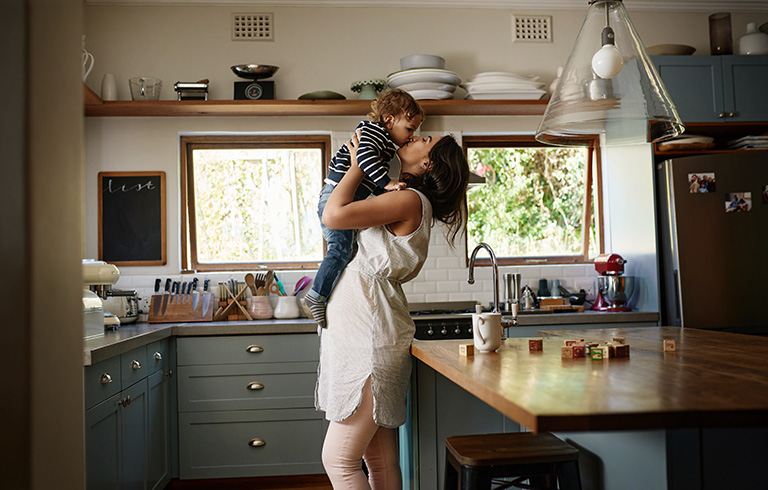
(256, 88)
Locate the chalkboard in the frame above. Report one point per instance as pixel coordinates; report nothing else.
(132, 218)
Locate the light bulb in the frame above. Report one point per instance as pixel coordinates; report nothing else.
(607, 62)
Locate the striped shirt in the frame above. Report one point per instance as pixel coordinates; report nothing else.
(374, 152)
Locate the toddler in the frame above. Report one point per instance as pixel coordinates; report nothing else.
(394, 117)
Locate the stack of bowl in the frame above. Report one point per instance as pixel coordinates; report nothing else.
(424, 77)
(503, 85)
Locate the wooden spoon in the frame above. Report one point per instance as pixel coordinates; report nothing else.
(250, 280)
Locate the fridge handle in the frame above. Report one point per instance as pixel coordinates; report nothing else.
(678, 306)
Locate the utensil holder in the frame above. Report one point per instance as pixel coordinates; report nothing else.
(287, 307)
(259, 308)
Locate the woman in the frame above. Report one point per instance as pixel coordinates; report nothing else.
(365, 352)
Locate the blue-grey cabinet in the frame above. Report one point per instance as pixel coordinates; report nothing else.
(716, 88)
(246, 406)
(127, 420)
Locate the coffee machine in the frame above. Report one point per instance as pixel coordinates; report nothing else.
(98, 278)
(614, 289)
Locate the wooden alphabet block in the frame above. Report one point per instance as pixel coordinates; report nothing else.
(596, 354)
(669, 345)
(579, 350)
(621, 350)
(535, 344)
(619, 340)
(566, 351)
(467, 350)
(573, 341)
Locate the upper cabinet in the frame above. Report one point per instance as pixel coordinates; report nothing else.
(716, 88)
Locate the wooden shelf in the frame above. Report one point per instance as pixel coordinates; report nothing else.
(173, 108)
(722, 132)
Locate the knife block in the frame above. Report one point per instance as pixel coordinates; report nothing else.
(172, 308)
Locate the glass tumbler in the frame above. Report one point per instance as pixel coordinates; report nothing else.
(720, 38)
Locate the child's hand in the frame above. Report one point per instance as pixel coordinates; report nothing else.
(394, 185)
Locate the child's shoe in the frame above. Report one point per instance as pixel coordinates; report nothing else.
(314, 308)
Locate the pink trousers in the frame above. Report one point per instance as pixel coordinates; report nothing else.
(358, 438)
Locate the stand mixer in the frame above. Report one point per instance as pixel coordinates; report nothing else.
(98, 278)
(613, 288)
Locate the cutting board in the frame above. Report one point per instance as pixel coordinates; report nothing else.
(172, 308)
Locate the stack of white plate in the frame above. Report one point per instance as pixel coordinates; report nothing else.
(425, 83)
(503, 85)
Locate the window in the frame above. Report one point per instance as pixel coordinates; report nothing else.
(539, 204)
(251, 201)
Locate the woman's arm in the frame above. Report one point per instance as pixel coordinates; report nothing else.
(400, 210)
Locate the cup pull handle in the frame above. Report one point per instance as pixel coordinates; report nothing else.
(255, 385)
(257, 442)
(254, 349)
(106, 378)
(480, 321)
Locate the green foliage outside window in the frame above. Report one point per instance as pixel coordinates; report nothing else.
(257, 205)
(532, 204)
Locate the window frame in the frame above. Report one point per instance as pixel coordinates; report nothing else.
(593, 174)
(189, 143)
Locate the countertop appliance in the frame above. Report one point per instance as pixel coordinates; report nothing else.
(614, 289)
(98, 278)
(712, 244)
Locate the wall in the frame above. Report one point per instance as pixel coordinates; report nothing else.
(41, 407)
(329, 48)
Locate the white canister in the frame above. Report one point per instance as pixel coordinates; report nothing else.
(287, 307)
(108, 87)
(754, 41)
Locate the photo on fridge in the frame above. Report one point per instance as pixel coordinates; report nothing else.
(701, 183)
(736, 202)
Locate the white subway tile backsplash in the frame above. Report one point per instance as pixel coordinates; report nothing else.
(448, 287)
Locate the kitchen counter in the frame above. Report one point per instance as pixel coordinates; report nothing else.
(713, 379)
(134, 335)
(130, 336)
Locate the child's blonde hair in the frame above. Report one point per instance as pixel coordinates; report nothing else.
(394, 102)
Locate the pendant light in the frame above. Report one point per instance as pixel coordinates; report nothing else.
(608, 88)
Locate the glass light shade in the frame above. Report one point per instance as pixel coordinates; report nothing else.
(630, 107)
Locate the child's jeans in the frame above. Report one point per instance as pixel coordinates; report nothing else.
(341, 247)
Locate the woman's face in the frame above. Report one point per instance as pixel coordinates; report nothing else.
(414, 155)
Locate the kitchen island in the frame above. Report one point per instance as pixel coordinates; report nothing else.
(700, 412)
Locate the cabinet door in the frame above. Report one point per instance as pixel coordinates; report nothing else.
(102, 445)
(158, 418)
(695, 84)
(133, 429)
(745, 79)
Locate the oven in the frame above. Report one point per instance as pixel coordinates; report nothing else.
(438, 321)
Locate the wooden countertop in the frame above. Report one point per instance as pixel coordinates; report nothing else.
(713, 379)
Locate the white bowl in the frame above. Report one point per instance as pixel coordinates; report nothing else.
(446, 87)
(421, 61)
(430, 94)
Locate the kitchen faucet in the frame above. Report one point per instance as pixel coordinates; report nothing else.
(471, 280)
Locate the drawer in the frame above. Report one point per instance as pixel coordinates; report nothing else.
(218, 444)
(244, 349)
(247, 386)
(134, 366)
(158, 354)
(101, 380)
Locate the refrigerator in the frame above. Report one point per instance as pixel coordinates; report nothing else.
(713, 241)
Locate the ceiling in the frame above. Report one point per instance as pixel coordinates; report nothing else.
(650, 5)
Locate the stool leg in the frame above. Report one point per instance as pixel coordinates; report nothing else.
(568, 475)
(451, 480)
(475, 478)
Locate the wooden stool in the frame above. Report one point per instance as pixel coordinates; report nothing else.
(542, 459)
